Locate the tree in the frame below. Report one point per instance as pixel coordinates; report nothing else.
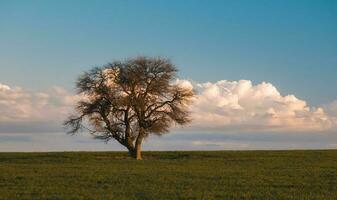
(130, 100)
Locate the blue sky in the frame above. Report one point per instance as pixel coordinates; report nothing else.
(289, 44)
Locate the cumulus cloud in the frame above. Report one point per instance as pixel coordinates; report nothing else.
(240, 106)
(223, 106)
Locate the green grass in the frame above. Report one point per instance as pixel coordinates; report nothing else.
(170, 175)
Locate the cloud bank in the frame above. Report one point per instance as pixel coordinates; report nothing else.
(22, 110)
(223, 106)
(240, 106)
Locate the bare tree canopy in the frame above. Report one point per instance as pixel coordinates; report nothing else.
(130, 100)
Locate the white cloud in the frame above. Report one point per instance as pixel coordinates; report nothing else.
(223, 106)
(240, 106)
(19, 105)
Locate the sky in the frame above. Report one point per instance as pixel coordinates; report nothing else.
(269, 67)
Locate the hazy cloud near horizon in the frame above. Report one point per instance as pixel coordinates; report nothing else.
(222, 106)
(27, 111)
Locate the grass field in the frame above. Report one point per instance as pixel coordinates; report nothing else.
(170, 175)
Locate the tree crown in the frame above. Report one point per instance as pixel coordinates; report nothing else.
(127, 99)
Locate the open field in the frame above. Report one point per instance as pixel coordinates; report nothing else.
(170, 175)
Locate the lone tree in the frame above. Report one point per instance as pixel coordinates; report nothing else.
(130, 100)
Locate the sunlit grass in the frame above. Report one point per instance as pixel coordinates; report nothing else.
(170, 175)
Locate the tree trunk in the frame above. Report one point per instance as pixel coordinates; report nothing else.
(136, 151)
(138, 148)
(132, 152)
(129, 145)
(138, 144)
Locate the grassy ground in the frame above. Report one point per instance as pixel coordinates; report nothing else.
(170, 175)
